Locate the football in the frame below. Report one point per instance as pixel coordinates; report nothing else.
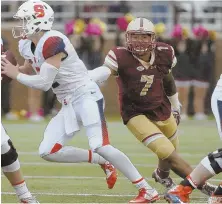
(11, 58)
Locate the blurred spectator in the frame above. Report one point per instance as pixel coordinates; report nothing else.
(5, 94)
(49, 102)
(121, 8)
(92, 55)
(120, 39)
(34, 105)
(79, 44)
(183, 74)
(160, 30)
(95, 8)
(201, 78)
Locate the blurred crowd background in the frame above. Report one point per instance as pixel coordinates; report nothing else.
(193, 28)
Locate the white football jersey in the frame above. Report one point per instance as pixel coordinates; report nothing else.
(72, 73)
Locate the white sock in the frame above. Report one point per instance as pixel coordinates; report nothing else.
(69, 154)
(142, 184)
(123, 164)
(95, 158)
(22, 190)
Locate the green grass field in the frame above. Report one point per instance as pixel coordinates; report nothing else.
(85, 183)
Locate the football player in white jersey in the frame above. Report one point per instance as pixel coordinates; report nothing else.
(208, 167)
(10, 164)
(58, 66)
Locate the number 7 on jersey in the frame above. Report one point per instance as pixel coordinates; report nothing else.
(149, 80)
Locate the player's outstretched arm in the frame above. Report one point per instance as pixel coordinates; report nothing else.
(101, 74)
(110, 67)
(43, 81)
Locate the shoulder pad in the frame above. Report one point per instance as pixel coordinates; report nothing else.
(52, 46)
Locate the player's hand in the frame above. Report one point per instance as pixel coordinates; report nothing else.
(9, 69)
(176, 114)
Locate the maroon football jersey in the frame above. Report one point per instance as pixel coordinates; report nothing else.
(141, 89)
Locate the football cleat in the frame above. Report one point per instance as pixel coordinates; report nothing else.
(167, 182)
(29, 200)
(208, 189)
(215, 199)
(146, 196)
(178, 194)
(111, 174)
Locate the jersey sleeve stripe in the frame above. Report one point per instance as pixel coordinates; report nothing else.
(52, 46)
(111, 64)
(112, 57)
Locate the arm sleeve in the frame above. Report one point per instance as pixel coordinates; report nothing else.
(43, 81)
(53, 46)
(100, 74)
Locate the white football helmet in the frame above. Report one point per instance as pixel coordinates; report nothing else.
(140, 26)
(35, 16)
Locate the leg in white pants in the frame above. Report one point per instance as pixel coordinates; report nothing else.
(216, 105)
(99, 142)
(4, 136)
(52, 146)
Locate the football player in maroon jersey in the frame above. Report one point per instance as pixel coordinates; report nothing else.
(149, 101)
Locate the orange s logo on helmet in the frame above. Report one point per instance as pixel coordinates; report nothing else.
(39, 9)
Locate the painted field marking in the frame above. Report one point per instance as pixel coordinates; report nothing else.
(91, 177)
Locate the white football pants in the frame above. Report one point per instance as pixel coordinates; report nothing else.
(87, 110)
(4, 137)
(216, 105)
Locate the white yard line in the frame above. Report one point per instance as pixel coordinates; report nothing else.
(77, 164)
(129, 154)
(84, 194)
(90, 177)
(73, 164)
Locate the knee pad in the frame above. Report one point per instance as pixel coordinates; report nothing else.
(213, 162)
(162, 147)
(9, 157)
(175, 140)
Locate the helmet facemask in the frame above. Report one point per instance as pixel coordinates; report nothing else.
(23, 30)
(139, 47)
